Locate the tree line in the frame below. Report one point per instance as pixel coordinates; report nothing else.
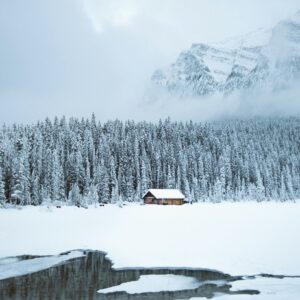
(82, 162)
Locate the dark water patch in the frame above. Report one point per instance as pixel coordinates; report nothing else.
(20, 258)
(207, 290)
(278, 276)
(27, 257)
(81, 278)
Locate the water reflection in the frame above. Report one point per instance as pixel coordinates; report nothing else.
(80, 278)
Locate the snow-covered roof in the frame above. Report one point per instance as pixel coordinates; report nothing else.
(165, 194)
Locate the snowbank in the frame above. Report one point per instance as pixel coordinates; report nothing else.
(154, 283)
(270, 289)
(236, 238)
(15, 267)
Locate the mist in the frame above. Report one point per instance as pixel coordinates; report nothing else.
(241, 104)
(77, 57)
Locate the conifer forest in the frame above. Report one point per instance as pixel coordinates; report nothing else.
(83, 162)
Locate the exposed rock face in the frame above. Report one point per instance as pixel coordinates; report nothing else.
(267, 59)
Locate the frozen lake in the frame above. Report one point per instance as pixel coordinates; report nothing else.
(89, 275)
(237, 238)
(240, 239)
(83, 274)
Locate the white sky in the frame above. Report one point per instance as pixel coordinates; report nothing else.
(179, 23)
(75, 57)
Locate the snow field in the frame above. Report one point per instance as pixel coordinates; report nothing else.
(235, 238)
(154, 283)
(13, 267)
(270, 289)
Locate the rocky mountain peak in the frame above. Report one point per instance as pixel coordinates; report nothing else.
(261, 58)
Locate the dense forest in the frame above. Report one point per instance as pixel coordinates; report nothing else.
(82, 162)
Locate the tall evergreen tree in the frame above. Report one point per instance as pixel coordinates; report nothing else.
(2, 191)
(253, 159)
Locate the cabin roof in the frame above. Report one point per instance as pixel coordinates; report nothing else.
(165, 194)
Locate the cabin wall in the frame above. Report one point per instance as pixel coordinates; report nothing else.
(174, 201)
(150, 200)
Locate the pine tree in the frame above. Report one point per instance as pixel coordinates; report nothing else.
(57, 187)
(19, 188)
(187, 191)
(102, 181)
(218, 191)
(113, 181)
(238, 160)
(129, 188)
(170, 179)
(144, 179)
(75, 198)
(2, 191)
(283, 195)
(35, 189)
(92, 198)
(260, 191)
(87, 178)
(289, 184)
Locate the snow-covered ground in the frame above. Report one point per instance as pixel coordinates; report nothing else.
(12, 267)
(270, 289)
(155, 283)
(236, 238)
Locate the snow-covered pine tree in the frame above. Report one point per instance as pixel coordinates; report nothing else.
(170, 179)
(102, 180)
(113, 181)
(36, 197)
(289, 183)
(253, 159)
(75, 198)
(57, 180)
(20, 193)
(260, 191)
(2, 191)
(91, 198)
(144, 178)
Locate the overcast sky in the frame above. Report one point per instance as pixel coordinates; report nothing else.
(75, 57)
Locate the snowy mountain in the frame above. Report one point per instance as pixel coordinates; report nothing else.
(267, 59)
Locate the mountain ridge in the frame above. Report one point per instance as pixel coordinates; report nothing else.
(264, 59)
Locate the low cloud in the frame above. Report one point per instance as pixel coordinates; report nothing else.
(242, 104)
(76, 57)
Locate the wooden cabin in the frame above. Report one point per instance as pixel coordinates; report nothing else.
(164, 197)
